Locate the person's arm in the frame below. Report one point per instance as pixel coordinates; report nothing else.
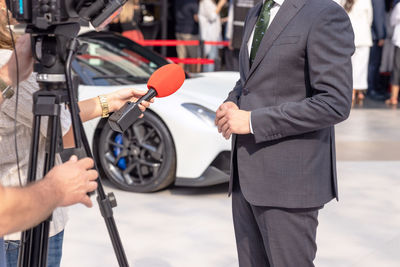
(233, 95)
(330, 46)
(8, 72)
(91, 108)
(379, 15)
(5, 76)
(220, 5)
(64, 185)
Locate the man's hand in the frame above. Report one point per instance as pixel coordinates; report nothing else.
(73, 180)
(381, 42)
(230, 119)
(25, 60)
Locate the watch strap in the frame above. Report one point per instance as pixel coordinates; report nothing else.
(104, 106)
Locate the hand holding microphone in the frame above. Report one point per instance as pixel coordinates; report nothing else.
(163, 82)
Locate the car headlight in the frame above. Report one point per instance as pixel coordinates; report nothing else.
(205, 114)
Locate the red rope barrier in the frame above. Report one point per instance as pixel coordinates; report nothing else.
(202, 61)
(179, 42)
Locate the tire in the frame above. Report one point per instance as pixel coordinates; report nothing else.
(142, 159)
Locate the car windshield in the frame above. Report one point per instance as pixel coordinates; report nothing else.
(113, 61)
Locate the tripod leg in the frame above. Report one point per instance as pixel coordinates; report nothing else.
(34, 242)
(28, 253)
(106, 204)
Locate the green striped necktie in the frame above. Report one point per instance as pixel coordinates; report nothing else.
(261, 28)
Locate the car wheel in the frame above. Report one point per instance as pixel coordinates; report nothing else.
(142, 159)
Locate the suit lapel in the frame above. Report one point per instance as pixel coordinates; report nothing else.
(246, 35)
(285, 14)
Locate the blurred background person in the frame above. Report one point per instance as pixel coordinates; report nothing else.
(187, 29)
(386, 66)
(210, 30)
(395, 22)
(237, 13)
(375, 55)
(360, 13)
(128, 20)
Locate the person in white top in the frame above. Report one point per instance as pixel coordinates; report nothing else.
(395, 22)
(361, 17)
(210, 30)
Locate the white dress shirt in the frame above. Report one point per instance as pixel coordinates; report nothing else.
(274, 11)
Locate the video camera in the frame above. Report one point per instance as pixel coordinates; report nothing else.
(42, 14)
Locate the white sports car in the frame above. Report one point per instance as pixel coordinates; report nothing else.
(176, 140)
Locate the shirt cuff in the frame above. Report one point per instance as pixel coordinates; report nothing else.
(251, 126)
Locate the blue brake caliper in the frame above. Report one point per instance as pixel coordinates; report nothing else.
(117, 150)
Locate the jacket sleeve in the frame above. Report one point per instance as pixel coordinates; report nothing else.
(330, 45)
(378, 25)
(235, 93)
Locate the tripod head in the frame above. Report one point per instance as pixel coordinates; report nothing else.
(43, 14)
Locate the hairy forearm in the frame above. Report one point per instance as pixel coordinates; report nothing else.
(22, 208)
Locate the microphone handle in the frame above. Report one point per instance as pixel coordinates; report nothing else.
(129, 113)
(149, 95)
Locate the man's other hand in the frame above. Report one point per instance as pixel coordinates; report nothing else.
(230, 119)
(73, 180)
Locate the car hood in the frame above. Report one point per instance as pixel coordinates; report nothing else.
(208, 89)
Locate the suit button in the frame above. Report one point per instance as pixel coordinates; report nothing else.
(245, 91)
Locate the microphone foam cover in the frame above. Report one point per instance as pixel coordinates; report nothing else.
(167, 80)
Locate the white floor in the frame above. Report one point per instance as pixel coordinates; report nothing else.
(189, 227)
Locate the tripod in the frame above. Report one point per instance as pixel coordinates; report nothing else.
(54, 50)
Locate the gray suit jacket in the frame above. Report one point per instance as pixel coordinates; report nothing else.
(298, 88)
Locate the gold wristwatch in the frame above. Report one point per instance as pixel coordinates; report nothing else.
(6, 90)
(104, 106)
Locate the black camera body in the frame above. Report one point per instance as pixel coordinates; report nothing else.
(42, 14)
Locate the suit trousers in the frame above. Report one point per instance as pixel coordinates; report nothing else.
(274, 237)
(375, 57)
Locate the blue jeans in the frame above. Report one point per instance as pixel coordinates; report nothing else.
(213, 54)
(2, 254)
(53, 255)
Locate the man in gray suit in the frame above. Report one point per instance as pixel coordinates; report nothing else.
(295, 85)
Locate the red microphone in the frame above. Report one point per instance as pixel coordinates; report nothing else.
(163, 82)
